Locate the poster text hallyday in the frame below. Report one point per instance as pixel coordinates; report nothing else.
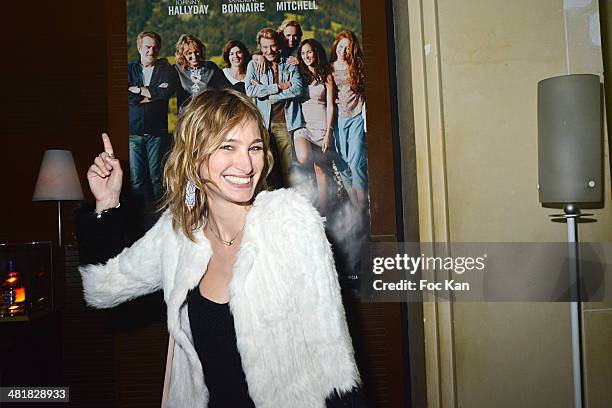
(238, 6)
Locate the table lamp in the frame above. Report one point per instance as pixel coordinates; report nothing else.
(58, 181)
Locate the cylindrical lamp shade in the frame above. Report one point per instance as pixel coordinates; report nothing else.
(570, 139)
(57, 178)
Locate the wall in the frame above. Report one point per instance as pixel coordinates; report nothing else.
(474, 70)
(54, 97)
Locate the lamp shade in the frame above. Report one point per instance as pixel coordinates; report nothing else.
(570, 141)
(57, 178)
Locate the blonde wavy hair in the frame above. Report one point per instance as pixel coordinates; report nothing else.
(184, 44)
(200, 131)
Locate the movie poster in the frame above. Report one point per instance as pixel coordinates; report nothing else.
(315, 111)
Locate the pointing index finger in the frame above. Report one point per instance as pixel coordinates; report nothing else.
(108, 147)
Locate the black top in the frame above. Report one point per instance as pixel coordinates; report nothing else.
(210, 77)
(240, 87)
(214, 338)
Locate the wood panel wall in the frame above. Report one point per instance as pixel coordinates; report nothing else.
(54, 76)
(381, 338)
(63, 79)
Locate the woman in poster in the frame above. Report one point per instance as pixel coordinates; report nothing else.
(236, 57)
(316, 138)
(195, 73)
(348, 73)
(253, 300)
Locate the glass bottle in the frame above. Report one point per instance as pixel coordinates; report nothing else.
(13, 293)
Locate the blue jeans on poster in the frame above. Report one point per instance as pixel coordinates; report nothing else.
(147, 157)
(351, 147)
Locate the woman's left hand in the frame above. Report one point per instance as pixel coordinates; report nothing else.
(327, 141)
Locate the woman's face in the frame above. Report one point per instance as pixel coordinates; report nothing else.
(342, 49)
(236, 166)
(193, 56)
(235, 56)
(309, 56)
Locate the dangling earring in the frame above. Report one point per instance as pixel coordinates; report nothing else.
(190, 195)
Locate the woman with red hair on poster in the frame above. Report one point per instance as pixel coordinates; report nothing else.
(348, 73)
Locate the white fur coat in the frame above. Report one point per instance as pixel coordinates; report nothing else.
(284, 295)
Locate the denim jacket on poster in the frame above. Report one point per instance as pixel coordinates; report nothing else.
(266, 92)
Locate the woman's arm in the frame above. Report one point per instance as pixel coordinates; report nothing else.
(110, 279)
(331, 109)
(134, 272)
(100, 239)
(261, 62)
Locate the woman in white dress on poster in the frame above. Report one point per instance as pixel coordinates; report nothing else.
(315, 140)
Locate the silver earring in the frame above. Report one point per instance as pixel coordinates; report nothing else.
(190, 195)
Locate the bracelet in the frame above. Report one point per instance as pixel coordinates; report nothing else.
(101, 213)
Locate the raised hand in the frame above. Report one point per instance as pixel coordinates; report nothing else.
(105, 177)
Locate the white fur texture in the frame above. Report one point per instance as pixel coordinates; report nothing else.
(284, 295)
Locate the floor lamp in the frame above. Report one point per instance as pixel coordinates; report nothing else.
(570, 175)
(58, 181)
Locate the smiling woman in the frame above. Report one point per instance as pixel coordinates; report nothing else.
(220, 134)
(195, 73)
(236, 55)
(235, 168)
(254, 307)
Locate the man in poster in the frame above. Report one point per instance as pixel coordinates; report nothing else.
(292, 34)
(151, 83)
(276, 93)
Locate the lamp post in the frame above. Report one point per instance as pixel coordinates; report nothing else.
(570, 175)
(58, 181)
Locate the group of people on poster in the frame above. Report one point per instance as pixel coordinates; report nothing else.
(312, 106)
